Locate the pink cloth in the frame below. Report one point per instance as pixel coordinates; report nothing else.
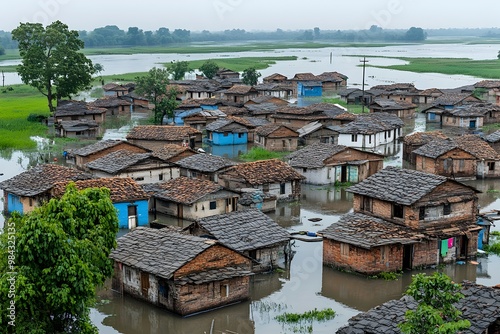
(450, 242)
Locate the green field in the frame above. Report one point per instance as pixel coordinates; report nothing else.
(15, 107)
(464, 66)
(353, 108)
(240, 64)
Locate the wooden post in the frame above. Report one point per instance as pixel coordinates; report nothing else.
(364, 61)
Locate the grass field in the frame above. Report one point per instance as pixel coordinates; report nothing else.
(464, 66)
(354, 108)
(240, 64)
(15, 107)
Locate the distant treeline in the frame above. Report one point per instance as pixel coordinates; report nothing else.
(112, 36)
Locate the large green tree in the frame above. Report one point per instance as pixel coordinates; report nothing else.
(154, 86)
(58, 254)
(178, 69)
(209, 68)
(435, 312)
(51, 61)
(250, 76)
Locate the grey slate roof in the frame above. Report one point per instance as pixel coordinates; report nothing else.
(159, 252)
(205, 163)
(40, 179)
(97, 147)
(244, 230)
(403, 186)
(367, 232)
(370, 123)
(436, 148)
(312, 156)
(222, 122)
(117, 161)
(493, 137)
(480, 305)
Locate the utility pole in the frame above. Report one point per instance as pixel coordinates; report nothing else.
(364, 61)
(3, 79)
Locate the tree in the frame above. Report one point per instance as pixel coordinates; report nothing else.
(435, 312)
(209, 68)
(178, 69)
(50, 60)
(61, 255)
(250, 76)
(2, 51)
(415, 35)
(98, 69)
(154, 86)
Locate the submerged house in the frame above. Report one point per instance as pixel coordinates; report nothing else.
(401, 109)
(404, 219)
(276, 137)
(129, 199)
(25, 191)
(182, 273)
(415, 140)
(249, 232)
(273, 177)
(327, 164)
(80, 129)
(230, 130)
(191, 199)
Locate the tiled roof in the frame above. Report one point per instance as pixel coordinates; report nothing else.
(184, 190)
(421, 138)
(41, 178)
(114, 87)
(98, 147)
(275, 76)
(240, 90)
(265, 98)
(117, 161)
(471, 109)
(370, 123)
(158, 251)
(268, 129)
(449, 99)
(169, 151)
(79, 125)
(162, 132)
(436, 148)
(493, 137)
(265, 171)
(332, 76)
(305, 76)
(109, 102)
(367, 232)
(312, 156)
(480, 305)
(245, 230)
(222, 122)
(477, 147)
(430, 92)
(488, 84)
(390, 104)
(396, 86)
(261, 109)
(121, 189)
(403, 186)
(76, 108)
(256, 121)
(228, 110)
(205, 163)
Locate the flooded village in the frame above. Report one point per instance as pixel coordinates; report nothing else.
(211, 243)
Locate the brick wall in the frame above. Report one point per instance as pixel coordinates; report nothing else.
(378, 259)
(425, 254)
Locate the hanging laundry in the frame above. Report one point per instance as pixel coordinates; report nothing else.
(444, 248)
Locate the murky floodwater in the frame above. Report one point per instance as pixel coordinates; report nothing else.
(306, 284)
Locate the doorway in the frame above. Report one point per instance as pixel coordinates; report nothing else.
(407, 257)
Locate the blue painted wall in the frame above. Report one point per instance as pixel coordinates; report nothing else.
(142, 213)
(309, 90)
(228, 151)
(14, 203)
(219, 138)
(207, 107)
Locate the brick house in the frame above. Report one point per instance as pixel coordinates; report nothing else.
(97, 150)
(69, 110)
(114, 105)
(402, 109)
(80, 129)
(332, 81)
(417, 139)
(316, 132)
(489, 90)
(327, 164)
(487, 159)
(155, 136)
(204, 166)
(25, 191)
(276, 137)
(325, 113)
(184, 274)
(128, 197)
(447, 101)
(249, 232)
(446, 158)
(384, 319)
(190, 199)
(239, 93)
(142, 167)
(272, 176)
(403, 219)
(493, 139)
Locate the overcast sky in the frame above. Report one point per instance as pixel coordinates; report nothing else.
(216, 15)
